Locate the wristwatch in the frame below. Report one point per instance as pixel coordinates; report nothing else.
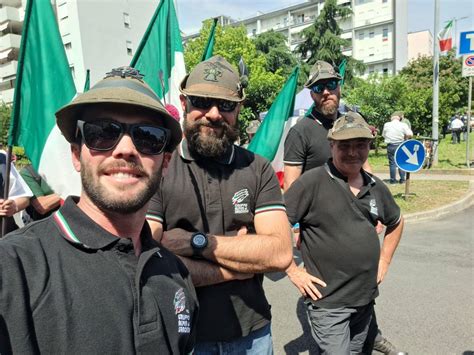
(198, 243)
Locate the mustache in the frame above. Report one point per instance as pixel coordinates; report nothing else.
(212, 124)
(131, 165)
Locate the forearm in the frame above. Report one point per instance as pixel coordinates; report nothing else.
(44, 204)
(204, 273)
(251, 253)
(390, 241)
(22, 203)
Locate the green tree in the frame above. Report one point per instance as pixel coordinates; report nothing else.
(233, 43)
(5, 112)
(273, 45)
(453, 89)
(322, 40)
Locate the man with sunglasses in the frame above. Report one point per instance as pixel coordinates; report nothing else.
(90, 278)
(221, 210)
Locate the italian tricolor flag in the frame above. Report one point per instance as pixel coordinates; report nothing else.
(160, 54)
(445, 38)
(43, 84)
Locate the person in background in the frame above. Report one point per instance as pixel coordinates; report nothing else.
(394, 133)
(251, 130)
(44, 201)
(456, 129)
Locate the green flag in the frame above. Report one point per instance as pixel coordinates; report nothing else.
(43, 84)
(268, 137)
(210, 42)
(342, 70)
(87, 83)
(161, 50)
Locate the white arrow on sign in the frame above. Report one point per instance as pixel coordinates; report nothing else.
(412, 158)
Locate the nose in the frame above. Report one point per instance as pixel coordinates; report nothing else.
(125, 148)
(351, 151)
(213, 114)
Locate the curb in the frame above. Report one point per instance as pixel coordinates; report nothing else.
(452, 208)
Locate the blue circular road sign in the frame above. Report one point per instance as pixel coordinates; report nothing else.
(410, 156)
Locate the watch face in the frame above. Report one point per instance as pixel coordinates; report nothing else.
(199, 240)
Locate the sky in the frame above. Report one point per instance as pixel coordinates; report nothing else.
(420, 12)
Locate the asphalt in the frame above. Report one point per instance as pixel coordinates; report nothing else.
(447, 175)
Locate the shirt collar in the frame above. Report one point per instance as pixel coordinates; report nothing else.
(81, 230)
(226, 159)
(321, 119)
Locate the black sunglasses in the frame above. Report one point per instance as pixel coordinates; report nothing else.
(330, 85)
(104, 134)
(205, 103)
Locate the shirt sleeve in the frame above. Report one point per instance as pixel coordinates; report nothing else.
(32, 183)
(391, 213)
(298, 200)
(269, 194)
(294, 149)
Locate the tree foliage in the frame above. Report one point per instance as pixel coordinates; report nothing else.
(233, 43)
(322, 39)
(5, 112)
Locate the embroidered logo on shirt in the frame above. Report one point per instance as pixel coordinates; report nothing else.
(373, 207)
(184, 319)
(237, 200)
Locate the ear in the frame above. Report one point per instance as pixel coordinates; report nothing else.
(76, 156)
(183, 100)
(166, 160)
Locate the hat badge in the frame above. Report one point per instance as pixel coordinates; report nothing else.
(212, 73)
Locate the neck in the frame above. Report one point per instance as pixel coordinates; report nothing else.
(121, 225)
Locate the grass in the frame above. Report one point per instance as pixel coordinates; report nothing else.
(450, 156)
(426, 195)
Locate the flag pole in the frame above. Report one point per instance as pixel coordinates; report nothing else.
(6, 187)
(435, 112)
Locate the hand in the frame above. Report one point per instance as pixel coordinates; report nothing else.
(8, 208)
(379, 227)
(383, 268)
(178, 241)
(305, 282)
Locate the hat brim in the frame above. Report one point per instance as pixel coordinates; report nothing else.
(352, 133)
(323, 76)
(67, 116)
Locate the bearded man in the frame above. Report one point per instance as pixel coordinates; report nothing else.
(220, 209)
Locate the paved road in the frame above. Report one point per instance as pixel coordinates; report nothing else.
(426, 304)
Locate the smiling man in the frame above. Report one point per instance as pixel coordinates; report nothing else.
(221, 211)
(339, 206)
(90, 278)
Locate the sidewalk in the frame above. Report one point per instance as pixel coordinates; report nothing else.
(450, 175)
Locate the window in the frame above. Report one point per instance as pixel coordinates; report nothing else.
(129, 48)
(68, 45)
(126, 20)
(385, 71)
(73, 72)
(371, 34)
(254, 32)
(385, 34)
(361, 35)
(384, 1)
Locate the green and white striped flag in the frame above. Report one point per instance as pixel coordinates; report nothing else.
(161, 51)
(43, 84)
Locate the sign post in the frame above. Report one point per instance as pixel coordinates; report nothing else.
(466, 47)
(409, 157)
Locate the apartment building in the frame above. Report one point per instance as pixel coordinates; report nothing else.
(377, 29)
(97, 35)
(420, 43)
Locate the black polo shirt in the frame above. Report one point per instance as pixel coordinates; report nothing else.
(306, 144)
(219, 197)
(339, 241)
(69, 286)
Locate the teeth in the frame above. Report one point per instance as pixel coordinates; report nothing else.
(120, 176)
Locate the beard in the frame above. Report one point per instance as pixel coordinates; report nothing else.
(209, 145)
(111, 201)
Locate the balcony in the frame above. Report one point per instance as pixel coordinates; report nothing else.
(11, 3)
(10, 14)
(8, 70)
(6, 96)
(10, 40)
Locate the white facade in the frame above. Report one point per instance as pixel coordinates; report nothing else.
(377, 30)
(98, 35)
(420, 44)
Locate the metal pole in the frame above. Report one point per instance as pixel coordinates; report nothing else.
(435, 116)
(6, 188)
(468, 123)
(407, 186)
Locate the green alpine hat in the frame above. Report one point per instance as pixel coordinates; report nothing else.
(321, 70)
(350, 126)
(214, 78)
(123, 86)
